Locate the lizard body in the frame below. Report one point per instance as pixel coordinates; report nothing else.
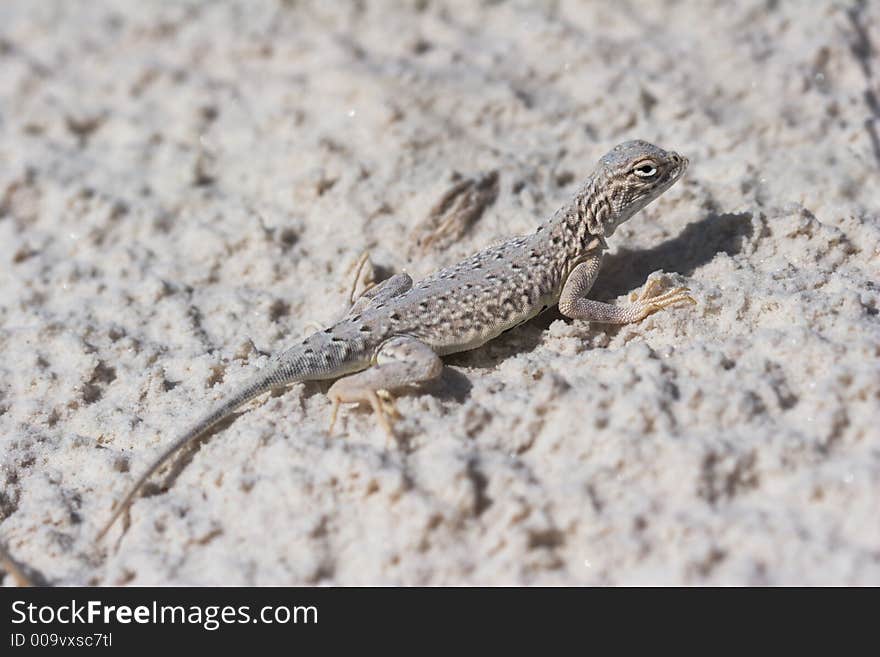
(394, 334)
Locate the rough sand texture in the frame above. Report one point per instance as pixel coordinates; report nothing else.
(179, 180)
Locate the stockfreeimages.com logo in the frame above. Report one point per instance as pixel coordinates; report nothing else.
(211, 617)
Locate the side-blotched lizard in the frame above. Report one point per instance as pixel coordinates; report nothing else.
(395, 334)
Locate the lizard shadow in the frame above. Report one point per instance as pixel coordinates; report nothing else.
(451, 384)
(695, 246)
(622, 272)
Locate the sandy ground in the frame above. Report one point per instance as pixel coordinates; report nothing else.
(184, 189)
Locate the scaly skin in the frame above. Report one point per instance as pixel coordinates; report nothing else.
(395, 334)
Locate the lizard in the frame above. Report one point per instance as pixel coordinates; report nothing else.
(395, 334)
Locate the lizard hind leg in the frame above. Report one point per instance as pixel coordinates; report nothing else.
(372, 292)
(363, 274)
(363, 263)
(381, 292)
(400, 361)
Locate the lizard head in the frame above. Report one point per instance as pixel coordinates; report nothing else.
(635, 173)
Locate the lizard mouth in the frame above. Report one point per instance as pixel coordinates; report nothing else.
(680, 165)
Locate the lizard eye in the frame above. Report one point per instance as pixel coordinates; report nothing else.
(645, 170)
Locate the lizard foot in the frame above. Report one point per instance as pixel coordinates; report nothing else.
(652, 299)
(380, 400)
(364, 274)
(401, 361)
(363, 269)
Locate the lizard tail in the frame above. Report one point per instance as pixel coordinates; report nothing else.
(320, 356)
(262, 382)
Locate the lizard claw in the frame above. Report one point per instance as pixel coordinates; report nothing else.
(380, 401)
(653, 299)
(676, 295)
(333, 415)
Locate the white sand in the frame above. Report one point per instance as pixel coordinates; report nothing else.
(735, 442)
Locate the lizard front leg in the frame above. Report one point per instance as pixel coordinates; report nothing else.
(573, 302)
(400, 361)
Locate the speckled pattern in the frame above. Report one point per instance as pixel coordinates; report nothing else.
(399, 330)
(465, 305)
(183, 188)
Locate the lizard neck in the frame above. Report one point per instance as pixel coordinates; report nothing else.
(577, 228)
